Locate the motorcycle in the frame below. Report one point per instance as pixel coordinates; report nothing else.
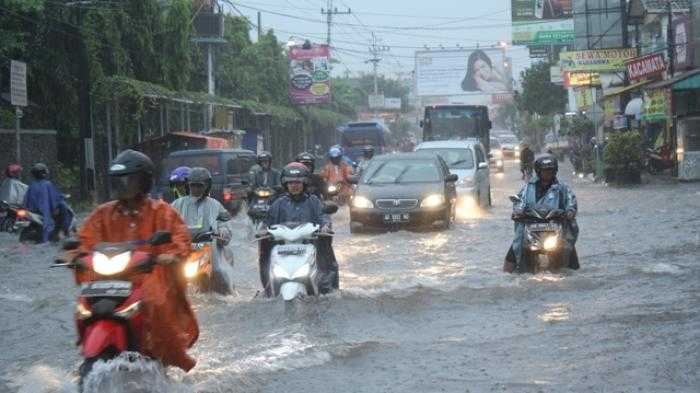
(108, 311)
(199, 266)
(658, 160)
(31, 225)
(259, 207)
(8, 216)
(543, 238)
(338, 193)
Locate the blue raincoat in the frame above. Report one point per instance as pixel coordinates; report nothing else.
(43, 198)
(559, 196)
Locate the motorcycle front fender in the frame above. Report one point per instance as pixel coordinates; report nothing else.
(103, 334)
(291, 290)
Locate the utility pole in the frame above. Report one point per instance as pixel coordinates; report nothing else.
(329, 12)
(375, 50)
(259, 25)
(670, 40)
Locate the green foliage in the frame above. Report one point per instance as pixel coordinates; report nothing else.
(623, 159)
(506, 115)
(539, 94)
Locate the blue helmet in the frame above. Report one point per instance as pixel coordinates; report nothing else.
(180, 174)
(335, 152)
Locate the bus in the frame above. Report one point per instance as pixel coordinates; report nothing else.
(356, 135)
(455, 122)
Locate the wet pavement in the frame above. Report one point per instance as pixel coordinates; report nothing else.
(423, 311)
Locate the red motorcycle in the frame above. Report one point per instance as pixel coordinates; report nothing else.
(659, 159)
(108, 312)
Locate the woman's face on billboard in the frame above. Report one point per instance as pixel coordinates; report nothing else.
(482, 69)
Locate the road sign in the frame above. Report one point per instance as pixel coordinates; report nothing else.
(376, 101)
(18, 83)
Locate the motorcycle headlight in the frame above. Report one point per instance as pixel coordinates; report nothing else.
(434, 200)
(303, 271)
(361, 202)
(82, 312)
(191, 268)
(106, 266)
(550, 243)
(263, 193)
(279, 272)
(332, 189)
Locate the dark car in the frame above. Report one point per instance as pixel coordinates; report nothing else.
(404, 190)
(229, 169)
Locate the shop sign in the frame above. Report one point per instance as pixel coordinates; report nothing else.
(584, 97)
(581, 79)
(646, 66)
(600, 60)
(656, 105)
(619, 122)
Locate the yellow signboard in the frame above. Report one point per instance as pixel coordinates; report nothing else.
(599, 60)
(582, 79)
(656, 105)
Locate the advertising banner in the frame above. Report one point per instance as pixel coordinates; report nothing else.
(656, 105)
(392, 103)
(646, 66)
(376, 101)
(542, 22)
(462, 72)
(683, 53)
(600, 60)
(310, 75)
(581, 79)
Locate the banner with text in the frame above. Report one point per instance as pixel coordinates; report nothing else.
(310, 75)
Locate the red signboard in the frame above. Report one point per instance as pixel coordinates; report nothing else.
(646, 66)
(310, 74)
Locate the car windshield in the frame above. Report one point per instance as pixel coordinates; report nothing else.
(209, 161)
(455, 158)
(401, 171)
(509, 139)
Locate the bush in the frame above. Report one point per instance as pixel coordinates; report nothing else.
(623, 158)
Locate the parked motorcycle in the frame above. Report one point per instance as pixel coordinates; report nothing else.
(108, 311)
(657, 160)
(543, 238)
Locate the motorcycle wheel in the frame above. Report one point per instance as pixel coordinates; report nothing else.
(29, 234)
(85, 368)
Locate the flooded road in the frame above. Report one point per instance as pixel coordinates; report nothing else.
(424, 312)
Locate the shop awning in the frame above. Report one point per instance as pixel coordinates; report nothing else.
(690, 83)
(624, 89)
(674, 81)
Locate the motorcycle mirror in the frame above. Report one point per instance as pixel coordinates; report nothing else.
(353, 179)
(223, 217)
(160, 238)
(330, 208)
(515, 199)
(70, 244)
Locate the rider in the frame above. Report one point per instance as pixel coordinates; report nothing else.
(133, 216)
(296, 205)
(264, 176)
(545, 189)
(337, 171)
(44, 198)
(178, 182)
(316, 185)
(200, 213)
(527, 156)
(12, 189)
(367, 155)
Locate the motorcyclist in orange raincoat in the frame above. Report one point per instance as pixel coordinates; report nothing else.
(337, 173)
(171, 326)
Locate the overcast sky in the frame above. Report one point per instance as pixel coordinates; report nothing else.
(403, 25)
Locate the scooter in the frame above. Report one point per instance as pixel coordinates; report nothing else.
(31, 225)
(658, 160)
(8, 216)
(259, 207)
(108, 312)
(543, 240)
(199, 266)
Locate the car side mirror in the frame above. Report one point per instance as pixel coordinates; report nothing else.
(161, 237)
(329, 208)
(483, 165)
(223, 217)
(353, 179)
(70, 244)
(452, 177)
(515, 199)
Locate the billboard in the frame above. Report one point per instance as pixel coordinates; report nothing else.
(462, 72)
(309, 75)
(599, 60)
(542, 22)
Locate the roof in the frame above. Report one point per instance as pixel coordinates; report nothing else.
(661, 6)
(195, 152)
(674, 80)
(623, 89)
(406, 156)
(454, 144)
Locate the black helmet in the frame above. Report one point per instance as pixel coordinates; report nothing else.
(307, 159)
(295, 171)
(368, 150)
(200, 175)
(546, 161)
(264, 156)
(40, 171)
(127, 165)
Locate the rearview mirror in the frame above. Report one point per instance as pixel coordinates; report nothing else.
(330, 208)
(70, 244)
(223, 216)
(452, 177)
(353, 179)
(159, 238)
(515, 199)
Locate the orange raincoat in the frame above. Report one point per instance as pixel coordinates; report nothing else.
(170, 323)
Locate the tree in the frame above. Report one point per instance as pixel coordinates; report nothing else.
(539, 94)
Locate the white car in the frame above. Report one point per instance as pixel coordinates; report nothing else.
(469, 161)
(510, 146)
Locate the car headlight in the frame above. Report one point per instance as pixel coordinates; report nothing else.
(279, 272)
(191, 268)
(550, 243)
(360, 202)
(303, 271)
(434, 200)
(106, 266)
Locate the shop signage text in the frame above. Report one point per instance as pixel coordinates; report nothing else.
(646, 66)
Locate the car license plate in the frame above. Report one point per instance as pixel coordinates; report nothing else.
(261, 206)
(397, 217)
(107, 289)
(291, 250)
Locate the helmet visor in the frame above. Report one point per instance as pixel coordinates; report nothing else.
(125, 186)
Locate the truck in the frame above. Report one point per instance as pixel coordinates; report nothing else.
(456, 122)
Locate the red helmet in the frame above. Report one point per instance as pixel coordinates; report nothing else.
(295, 171)
(13, 170)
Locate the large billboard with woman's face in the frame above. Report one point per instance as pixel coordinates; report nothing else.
(463, 72)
